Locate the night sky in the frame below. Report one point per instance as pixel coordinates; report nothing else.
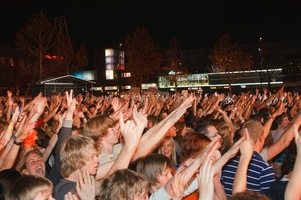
(196, 24)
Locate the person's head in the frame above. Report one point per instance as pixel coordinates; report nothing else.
(162, 115)
(207, 129)
(15, 105)
(92, 108)
(256, 131)
(181, 129)
(151, 121)
(98, 127)
(157, 168)
(226, 137)
(76, 131)
(199, 112)
(79, 152)
(171, 131)
(7, 178)
(249, 195)
(31, 188)
(193, 144)
(125, 184)
(167, 148)
(263, 115)
(32, 164)
(190, 119)
(43, 139)
(282, 120)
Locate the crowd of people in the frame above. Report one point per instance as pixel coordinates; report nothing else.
(135, 146)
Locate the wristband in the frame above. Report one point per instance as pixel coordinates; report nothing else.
(17, 143)
(10, 127)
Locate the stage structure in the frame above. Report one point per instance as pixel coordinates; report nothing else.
(62, 84)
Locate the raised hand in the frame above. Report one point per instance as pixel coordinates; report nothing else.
(71, 102)
(85, 186)
(140, 119)
(130, 132)
(209, 150)
(235, 147)
(205, 179)
(116, 105)
(39, 105)
(178, 184)
(26, 130)
(246, 148)
(15, 116)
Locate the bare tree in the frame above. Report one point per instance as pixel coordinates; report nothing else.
(227, 58)
(40, 38)
(143, 56)
(34, 38)
(173, 67)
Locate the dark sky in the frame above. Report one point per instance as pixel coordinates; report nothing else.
(196, 24)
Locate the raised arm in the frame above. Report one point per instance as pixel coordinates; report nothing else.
(246, 152)
(284, 139)
(267, 125)
(293, 188)
(131, 132)
(152, 137)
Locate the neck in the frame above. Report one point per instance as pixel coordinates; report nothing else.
(105, 147)
(73, 177)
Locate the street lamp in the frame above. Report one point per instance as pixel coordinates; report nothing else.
(261, 59)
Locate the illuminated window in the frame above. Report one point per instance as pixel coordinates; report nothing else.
(109, 60)
(109, 74)
(11, 62)
(127, 74)
(109, 52)
(110, 66)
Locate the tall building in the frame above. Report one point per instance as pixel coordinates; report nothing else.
(111, 71)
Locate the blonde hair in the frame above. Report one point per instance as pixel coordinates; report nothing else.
(97, 126)
(22, 163)
(173, 157)
(225, 132)
(28, 187)
(124, 184)
(255, 129)
(75, 151)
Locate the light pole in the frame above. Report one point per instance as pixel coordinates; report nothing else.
(261, 59)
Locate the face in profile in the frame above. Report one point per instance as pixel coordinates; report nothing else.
(92, 164)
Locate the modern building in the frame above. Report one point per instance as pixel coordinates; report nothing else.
(276, 64)
(110, 67)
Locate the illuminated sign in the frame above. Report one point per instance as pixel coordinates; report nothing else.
(126, 87)
(126, 74)
(111, 88)
(194, 80)
(145, 86)
(86, 75)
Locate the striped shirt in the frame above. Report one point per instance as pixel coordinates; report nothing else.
(260, 175)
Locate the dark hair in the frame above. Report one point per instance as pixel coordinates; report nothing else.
(190, 119)
(290, 158)
(7, 178)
